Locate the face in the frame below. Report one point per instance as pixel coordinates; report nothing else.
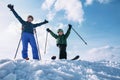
(60, 33)
(29, 19)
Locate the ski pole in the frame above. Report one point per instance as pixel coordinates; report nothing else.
(17, 48)
(46, 43)
(37, 43)
(79, 35)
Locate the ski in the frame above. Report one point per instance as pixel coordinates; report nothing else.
(53, 57)
(75, 58)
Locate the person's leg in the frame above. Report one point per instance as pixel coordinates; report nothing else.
(64, 53)
(25, 46)
(62, 50)
(34, 47)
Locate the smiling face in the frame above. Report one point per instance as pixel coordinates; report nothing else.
(30, 18)
(60, 33)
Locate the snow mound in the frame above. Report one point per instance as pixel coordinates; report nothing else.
(58, 70)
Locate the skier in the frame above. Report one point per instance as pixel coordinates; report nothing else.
(61, 41)
(27, 35)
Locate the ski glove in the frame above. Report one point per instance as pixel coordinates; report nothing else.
(48, 30)
(10, 6)
(70, 26)
(45, 21)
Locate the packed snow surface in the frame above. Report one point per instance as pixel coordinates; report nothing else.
(58, 70)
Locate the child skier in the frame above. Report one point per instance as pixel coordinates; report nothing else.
(61, 41)
(27, 34)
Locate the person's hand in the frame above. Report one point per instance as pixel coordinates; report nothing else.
(70, 26)
(48, 30)
(46, 21)
(10, 6)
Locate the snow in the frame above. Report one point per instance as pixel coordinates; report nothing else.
(58, 70)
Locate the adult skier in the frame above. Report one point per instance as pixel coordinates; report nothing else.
(27, 35)
(61, 41)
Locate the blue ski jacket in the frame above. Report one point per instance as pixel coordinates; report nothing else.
(27, 26)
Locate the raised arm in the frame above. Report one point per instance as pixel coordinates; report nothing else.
(53, 34)
(68, 31)
(11, 7)
(39, 24)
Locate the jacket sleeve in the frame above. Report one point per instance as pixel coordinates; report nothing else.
(17, 16)
(39, 24)
(54, 35)
(68, 32)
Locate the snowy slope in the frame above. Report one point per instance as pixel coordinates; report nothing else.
(58, 70)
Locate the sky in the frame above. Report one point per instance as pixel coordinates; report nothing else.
(97, 21)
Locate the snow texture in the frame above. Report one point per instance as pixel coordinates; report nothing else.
(58, 70)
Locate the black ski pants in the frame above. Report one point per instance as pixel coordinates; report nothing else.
(62, 51)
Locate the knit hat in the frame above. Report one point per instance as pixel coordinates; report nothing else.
(60, 30)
